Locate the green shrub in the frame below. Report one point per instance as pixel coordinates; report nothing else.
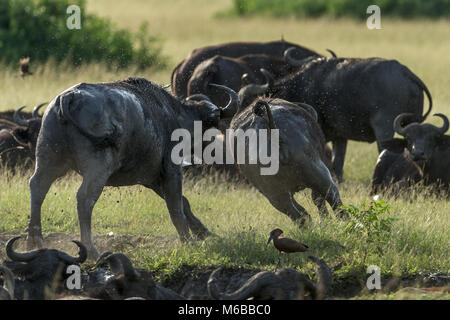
(37, 28)
(371, 229)
(339, 8)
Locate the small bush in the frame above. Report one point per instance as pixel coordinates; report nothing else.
(371, 229)
(37, 28)
(339, 8)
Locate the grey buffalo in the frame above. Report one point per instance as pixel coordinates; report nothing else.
(356, 99)
(117, 134)
(303, 162)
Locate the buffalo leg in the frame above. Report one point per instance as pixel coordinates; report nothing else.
(171, 191)
(90, 190)
(286, 203)
(319, 201)
(339, 149)
(39, 184)
(196, 226)
(323, 187)
(382, 131)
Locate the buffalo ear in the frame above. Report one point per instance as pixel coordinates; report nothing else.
(394, 145)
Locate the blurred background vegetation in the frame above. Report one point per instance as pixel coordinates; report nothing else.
(340, 8)
(36, 28)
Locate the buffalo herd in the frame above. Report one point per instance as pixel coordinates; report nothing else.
(119, 134)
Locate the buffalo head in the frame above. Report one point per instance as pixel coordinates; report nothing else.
(208, 111)
(28, 130)
(421, 138)
(40, 270)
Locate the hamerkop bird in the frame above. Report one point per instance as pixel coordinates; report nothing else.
(285, 244)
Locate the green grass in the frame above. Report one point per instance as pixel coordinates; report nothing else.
(239, 216)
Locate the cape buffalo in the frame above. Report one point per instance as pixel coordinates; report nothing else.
(183, 72)
(117, 134)
(395, 169)
(286, 284)
(18, 141)
(429, 147)
(302, 157)
(230, 72)
(356, 99)
(42, 272)
(128, 282)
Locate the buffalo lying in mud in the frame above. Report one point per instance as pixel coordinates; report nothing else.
(183, 72)
(117, 134)
(128, 282)
(356, 99)
(40, 273)
(18, 139)
(302, 156)
(285, 284)
(395, 169)
(429, 148)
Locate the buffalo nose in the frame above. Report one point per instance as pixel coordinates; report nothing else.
(418, 155)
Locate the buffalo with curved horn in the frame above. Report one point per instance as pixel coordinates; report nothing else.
(18, 141)
(286, 284)
(355, 99)
(41, 272)
(429, 147)
(128, 282)
(118, 134)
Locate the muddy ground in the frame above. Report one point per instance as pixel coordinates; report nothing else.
(190, 281)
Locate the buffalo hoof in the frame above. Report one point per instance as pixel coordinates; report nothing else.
(303, 221)
(93, 254)
(35, 242)
(342, 214)
(203, 235)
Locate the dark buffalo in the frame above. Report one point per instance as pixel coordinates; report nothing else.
(429, 147)
(40, 273)
(128, 282)
(302, 157)
(234, 73)
(13, 153)
(18, 141)
(395, 169)
(117, 134)
(183, 72)
(356, 99)
(286, 284)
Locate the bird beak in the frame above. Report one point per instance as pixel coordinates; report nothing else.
(270, 238)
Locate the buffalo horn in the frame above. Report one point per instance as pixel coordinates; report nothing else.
(445, 126)
(398, 123)
(35, 113)
(82, 254)
(230, 109)
(18, 119)
(15, 256)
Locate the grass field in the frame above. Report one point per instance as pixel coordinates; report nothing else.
(240, 217)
